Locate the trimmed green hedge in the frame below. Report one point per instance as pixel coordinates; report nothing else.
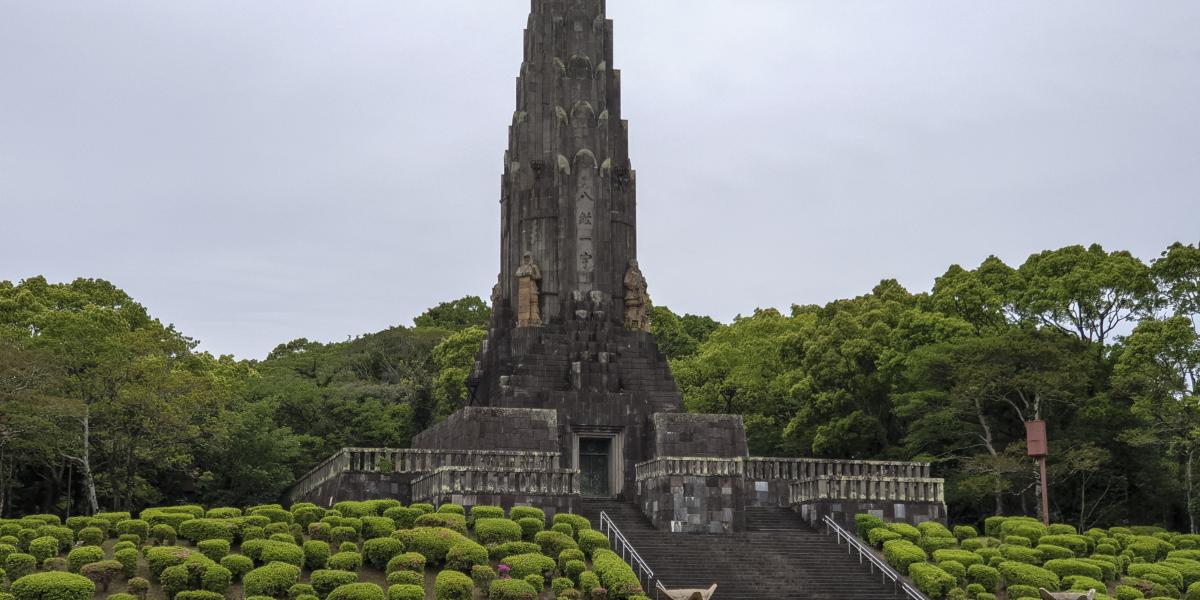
(618, 578)
(406, 592)
(903, 553)
(378, 551)
(83, 555)
(453, 585)
(591, 540)
(1019, 573)
(327, 580)
(238, 565)
(492, 530)
(931, 580)
(511, 589)
(465, 555)
(553, 542)
(432, 543)
(357, 591)
(271, 580)
(53, 586)
(196, 530)
(984, 575)
(529, 564)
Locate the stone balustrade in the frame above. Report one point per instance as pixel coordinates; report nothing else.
(330, 468)
(867, 489)
(690, 466)
(780, 469)
(450, 480)
(416, 461)
(800, 469)
(412, 460)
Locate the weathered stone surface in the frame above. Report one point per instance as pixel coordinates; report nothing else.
(493, 428)
(683, 434)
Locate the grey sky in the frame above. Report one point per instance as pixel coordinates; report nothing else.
(256, 172)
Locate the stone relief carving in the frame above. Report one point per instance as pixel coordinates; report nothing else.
(637, 300)
(529, 312)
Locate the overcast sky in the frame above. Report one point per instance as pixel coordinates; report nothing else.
(256, 172)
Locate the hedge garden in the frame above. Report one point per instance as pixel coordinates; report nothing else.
(377, 550)
(1017, 555)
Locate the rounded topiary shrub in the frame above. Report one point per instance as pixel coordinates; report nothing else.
(406, 578)
(128, 557)
(591, 540)
(577, 523)
(316, 554)
(906, 531)
(19, 564)
(406, 592)
(357, 591)
(501, 551)
(161, 557)
(616, 576)
(511, 589)
(452, 509)
(91, 536)
(565, 529)
(932, 580)
(962, 557)
(207, 529)
(271, 580)
(530, 527)
(485, 512)
(574, 568)
(284, 552)
(163, 534)
(1019, 573)
(553, 542)
(238, 565)
(83, 555)
(902, 553)
(453, 585)
(102, 573)
(985, 576)
(483, 576)
(864, 523)
(138, 586)
(378, 551)
(1069, 566)
(408, 561)
(403, 517)
(377, 527)
(569, 555)
(492, 530)
(464, 555)
(433, 543)
(520, 565)
(198, 595)
(215, 550)
(538, 583)
(53, 586)
(453, 521)
(346, 561)
(327, 580)
(43, 548)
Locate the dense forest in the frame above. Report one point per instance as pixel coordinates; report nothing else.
(102, 406)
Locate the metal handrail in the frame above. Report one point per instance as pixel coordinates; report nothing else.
(629, 554)
(853, 543)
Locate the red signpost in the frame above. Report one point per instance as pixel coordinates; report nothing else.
(1038, 447)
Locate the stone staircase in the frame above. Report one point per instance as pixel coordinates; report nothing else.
(779, 557)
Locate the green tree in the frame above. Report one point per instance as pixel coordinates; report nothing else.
(1159, 367)
(454, 359)
(456, 315)
(1087, 292)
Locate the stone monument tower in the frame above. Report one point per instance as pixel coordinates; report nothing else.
(570, 397)
(569, 329)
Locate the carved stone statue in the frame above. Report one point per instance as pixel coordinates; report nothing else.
(529, 312)
(637, 301)
(1067, 595)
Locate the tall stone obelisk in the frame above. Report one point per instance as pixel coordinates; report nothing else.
(569, 330)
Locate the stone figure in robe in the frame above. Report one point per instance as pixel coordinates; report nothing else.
(637, 300)
(529, 313)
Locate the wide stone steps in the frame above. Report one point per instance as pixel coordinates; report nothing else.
(780, 557)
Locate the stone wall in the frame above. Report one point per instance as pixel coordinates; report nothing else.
(553, 491)
(489, 428)
(693, 495)
(684, 434)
